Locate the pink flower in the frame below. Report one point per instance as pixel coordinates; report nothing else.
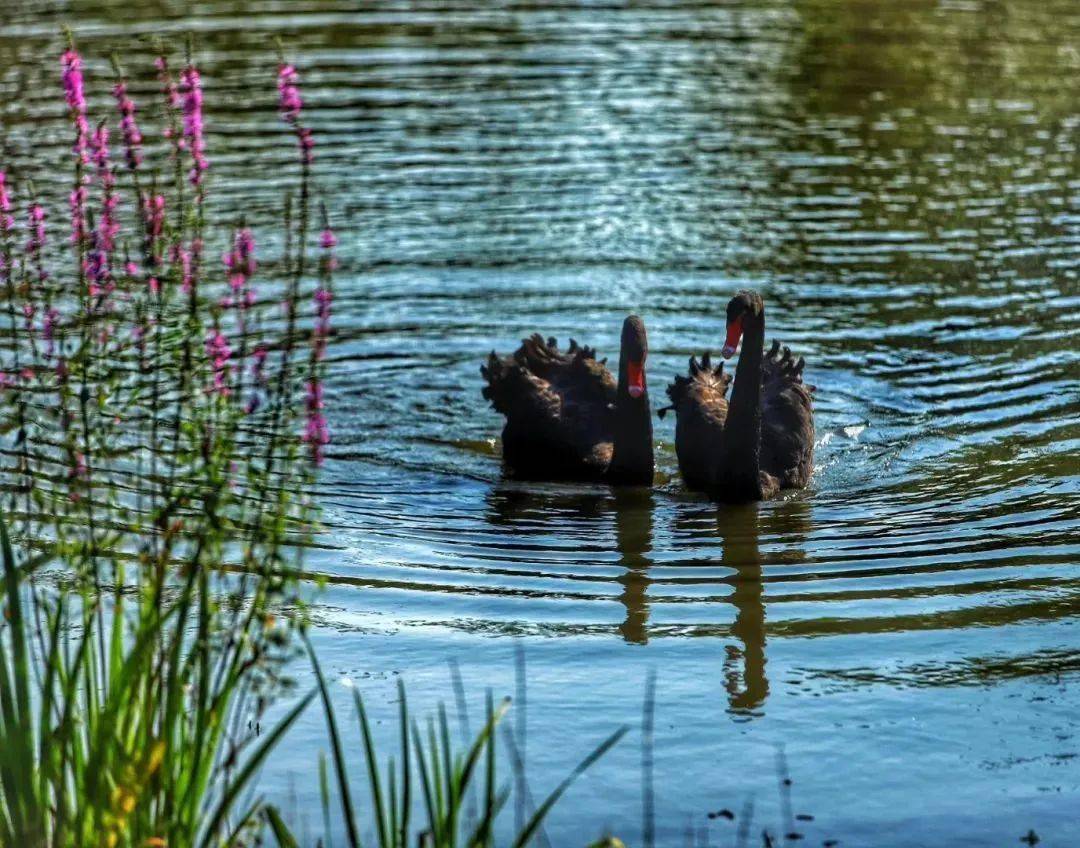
(168, 87)
(72, 76)
(36, 241)
(241, 259)
(108, 227)
(7, 222)
(328, 241)
(100, 144)
(316, 433)
(192, 98)
(129, 129)
(187, 281)
(98, 265)
(97, 272)
(154, 215)
(219, 354)
(289, 101)
(154, 221)
(307, 145)
(189, 264)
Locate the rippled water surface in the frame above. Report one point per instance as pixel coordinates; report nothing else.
(900, 181)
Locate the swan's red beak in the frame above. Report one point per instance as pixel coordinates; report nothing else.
(734, 333)
(635, 378)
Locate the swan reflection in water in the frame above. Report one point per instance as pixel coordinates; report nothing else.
(735, 529)
(578, 513)
(738, 528)
(633, 535)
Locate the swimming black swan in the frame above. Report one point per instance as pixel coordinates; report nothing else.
(566, 416)
(760, 441)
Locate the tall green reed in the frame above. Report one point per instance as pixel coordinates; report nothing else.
(158, 470)
(85, 753)
(430, 768)
(163, 428)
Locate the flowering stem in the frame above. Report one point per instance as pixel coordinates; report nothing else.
(7, 277)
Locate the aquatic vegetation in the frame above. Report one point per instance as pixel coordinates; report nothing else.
(153, 412)
(164, 422)
(460, 789)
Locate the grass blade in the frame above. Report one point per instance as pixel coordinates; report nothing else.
(337, 750)
(530, 828)
(373, 771)
(281, 832)
(251, 764)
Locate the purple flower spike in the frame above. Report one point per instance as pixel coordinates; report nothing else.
(129, 129)
(101, 147)
(187, 281)
(192, 99)
(72, 76)
(7, 222)
(289, 100)
(240, 262)
(307, 145)
(99, 260)
(109, 227)
(168, 87)
(316, 434)
(241, 259)
(290, 103)
(219, 354)
(37, 227)
(154, 212)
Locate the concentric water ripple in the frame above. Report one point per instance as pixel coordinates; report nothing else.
(901, 182)
(913, 226)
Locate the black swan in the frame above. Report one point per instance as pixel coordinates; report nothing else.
(566, 416)
(760, 441)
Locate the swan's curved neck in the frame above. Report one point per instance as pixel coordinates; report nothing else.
(737, 476)
(632, 450)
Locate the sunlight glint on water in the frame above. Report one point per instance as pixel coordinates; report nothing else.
(901, 183)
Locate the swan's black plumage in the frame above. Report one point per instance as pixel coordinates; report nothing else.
(700, 404)
(567, 416)
(761, 439)
(787, 419)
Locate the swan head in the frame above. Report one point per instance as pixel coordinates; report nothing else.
(634, 352)
(745, 304)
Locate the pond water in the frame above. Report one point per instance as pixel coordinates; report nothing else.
(900, 182)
